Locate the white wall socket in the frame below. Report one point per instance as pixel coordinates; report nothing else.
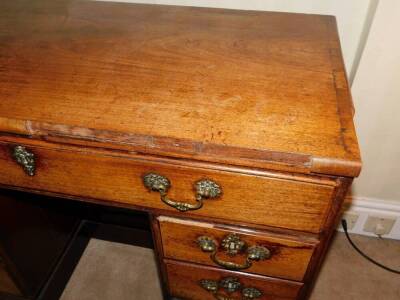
(351, 219)
(373, 217)
(379, 225)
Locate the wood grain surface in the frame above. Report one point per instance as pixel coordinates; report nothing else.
(184, 283)
(105, 175)
(289, 260)
(104, 93)
(253, 88)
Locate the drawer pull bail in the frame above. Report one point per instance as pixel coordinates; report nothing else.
(229, 285)
(25, 158)
(204, 188)
(233, 245)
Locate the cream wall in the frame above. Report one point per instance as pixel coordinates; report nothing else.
(352, 16)
(376, 93)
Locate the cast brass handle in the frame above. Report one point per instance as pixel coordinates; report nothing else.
(233, 245)
(25, 158)
(229, 285)
(204, 189)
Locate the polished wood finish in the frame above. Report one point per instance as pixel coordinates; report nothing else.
(103, 93)
(331, 225)
(251, 88)
(300, 203)
(184, 283)
(289, 260)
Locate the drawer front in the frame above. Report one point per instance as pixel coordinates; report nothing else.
(234, 249)
(191, 282)
(113, 176)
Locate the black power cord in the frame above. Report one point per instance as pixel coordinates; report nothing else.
(344, 224)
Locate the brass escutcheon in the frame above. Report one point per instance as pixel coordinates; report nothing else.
(25, 158)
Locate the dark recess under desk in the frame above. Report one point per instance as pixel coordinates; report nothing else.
(42, 240)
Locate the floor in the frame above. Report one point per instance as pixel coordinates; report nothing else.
(111, 271)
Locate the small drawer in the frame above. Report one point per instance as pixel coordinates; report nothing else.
(234, 249)
(186, 188)
(191, 282)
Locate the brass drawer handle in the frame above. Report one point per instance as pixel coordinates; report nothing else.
(25, 158)
(229, 285)
(233, 245)
(204, 189)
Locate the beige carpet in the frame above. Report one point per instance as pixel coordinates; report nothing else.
(348, 276)
(111, 271)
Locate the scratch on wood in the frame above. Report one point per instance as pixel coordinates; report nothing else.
(28, 126)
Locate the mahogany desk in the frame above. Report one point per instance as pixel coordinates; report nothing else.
(232, 130)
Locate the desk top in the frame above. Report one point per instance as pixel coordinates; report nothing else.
(257, 89)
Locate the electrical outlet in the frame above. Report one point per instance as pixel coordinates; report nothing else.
(351, 219)
(380, 225)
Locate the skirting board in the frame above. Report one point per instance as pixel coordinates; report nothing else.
(365, 207)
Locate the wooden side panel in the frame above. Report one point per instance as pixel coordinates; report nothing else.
(290, 256)
(291, 204)
(33, 234)
(7, 284)
(184, 283)
(326, 237)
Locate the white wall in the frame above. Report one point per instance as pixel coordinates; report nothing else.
(352, 16)
(376, 93)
